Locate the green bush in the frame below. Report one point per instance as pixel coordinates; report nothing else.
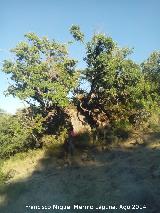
(48, 140)
(14, 136)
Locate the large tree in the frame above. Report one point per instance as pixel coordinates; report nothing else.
(42, 74)
(118, 93)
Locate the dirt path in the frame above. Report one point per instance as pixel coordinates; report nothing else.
(119, 176)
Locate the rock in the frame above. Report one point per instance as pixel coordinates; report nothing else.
(132, 141)
(139, 141)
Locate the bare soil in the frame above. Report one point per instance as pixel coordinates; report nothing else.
(124, 174)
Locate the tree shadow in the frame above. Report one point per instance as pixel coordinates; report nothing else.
(111, 177)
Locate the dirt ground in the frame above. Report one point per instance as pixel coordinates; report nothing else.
(126, 174)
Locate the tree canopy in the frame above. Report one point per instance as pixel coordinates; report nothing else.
(151, 71)
(43, 75)
(120, 90)
(42, 72)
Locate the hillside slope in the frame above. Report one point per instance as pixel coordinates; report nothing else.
(126, 174)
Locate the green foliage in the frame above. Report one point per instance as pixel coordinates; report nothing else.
(122, 93)
(151, 70)
(48, 140)
(42, 72)
(118, 88)
(76, 33)
(14, 136)
(43, 75)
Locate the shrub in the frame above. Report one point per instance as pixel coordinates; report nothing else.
(14, 136)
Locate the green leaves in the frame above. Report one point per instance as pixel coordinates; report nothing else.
(151, 71)
(43, 75)
(76, 33)
(116, 81)
(14, 136)
(120, 89)
(41, 71)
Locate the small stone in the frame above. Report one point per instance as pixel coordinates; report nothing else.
(140, 141)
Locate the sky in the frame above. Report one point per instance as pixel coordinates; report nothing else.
(132, 23)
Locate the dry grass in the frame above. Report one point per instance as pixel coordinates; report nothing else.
(22, 165)
(127, 173)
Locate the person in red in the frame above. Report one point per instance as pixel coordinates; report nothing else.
(69, 143)
(72, 132)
